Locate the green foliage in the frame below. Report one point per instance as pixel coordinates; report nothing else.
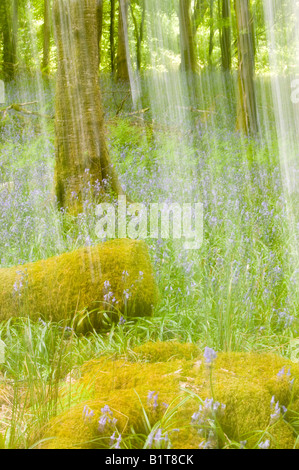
(30, 34)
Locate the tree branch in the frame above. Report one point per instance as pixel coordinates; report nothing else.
(19, 107)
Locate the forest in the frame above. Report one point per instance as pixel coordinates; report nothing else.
(149, 224)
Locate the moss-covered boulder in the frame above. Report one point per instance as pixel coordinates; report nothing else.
(114, 277)
(165, 394)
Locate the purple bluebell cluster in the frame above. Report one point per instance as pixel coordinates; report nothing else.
(205, 421)
(276, 410)
(265, 444)
(152, 400)
(210, 356)
(106, 419)
(115, 441)
(87, 414)
(158, 439)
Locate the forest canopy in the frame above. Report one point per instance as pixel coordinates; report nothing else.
(32, 33)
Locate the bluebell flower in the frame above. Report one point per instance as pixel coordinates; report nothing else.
(106, 409)
(118, 441)
(87, 413)
(102, 423)
(210, 355)
(158, 436)
(106, 418)
(150, 395)
(112, 439)
(276, 412)
(126, 294)
(264, 445)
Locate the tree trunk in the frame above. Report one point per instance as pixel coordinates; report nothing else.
(112, 45)
(10, 36)
(199, 11)
(100, 25)
(225, 36)
(188, 59)
(138, 33)
(211, 40)
(81, 150)
(47, 36)
(122, 63)
(247, 112)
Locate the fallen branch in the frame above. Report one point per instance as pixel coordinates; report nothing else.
(19, 107)
(140, 111)
(122, 103)
(195, 110)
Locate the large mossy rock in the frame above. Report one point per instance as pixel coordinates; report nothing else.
(244, 382)
(114, 277)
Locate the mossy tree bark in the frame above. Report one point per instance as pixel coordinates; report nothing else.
(188, 58)
(46, 36)
(9, 13)
(225, 36)
(81, 149)
(247, 120)
(122, 63)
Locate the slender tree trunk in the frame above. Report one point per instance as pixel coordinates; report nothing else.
(81, 150)
(112, 45)
(188, 59)
(2, 22)
(138, 33)
(100, 25)
(10, 37)
(225, 36)
(122, 63)
(211, 40)
(47, 36)
(141, 30)
(199, 11)
(247, 120)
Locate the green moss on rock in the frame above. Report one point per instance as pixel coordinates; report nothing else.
(115, 277)
(245, 383)
(165, 351)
